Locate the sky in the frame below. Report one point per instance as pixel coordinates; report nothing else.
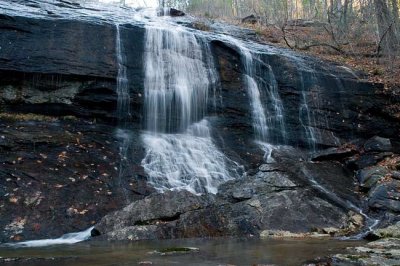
(135, 3)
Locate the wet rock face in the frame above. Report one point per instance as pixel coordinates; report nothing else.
(60, 176)
(340, 106)
(274, 198)
(58, 95)
(80, 67)
(65, 169)
(378, 144)
(58, 46)
(386, 196)
(368, 177)
(375, 170)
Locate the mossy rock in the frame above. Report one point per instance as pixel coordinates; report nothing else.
(176, 250)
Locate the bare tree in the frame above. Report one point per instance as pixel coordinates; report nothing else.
(386, 28)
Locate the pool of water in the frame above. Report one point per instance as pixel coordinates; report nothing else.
(222, 251)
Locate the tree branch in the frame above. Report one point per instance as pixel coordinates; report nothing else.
(378, 49)
(307, 47)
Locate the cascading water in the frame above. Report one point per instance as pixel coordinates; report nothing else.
(180, 153)
(306, 118)
(123, 108)
(67, 239)
(176, 80)
(187, 161)
(258, 111)
(268, 121)
(277, 119)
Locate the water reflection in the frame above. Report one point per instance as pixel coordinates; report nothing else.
(212, 252)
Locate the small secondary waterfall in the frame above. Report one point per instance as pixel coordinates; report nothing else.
(268, 121)
(180, 153)
(123, 108)
(258, 111)
(306, 117)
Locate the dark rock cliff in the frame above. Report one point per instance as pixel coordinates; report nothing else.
(60, 168)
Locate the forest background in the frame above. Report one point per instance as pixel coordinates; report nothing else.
(362, 34)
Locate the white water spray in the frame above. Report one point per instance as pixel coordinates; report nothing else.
(180, 153)
(268, 122)
(67, 239)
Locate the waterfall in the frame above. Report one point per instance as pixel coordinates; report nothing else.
(180, 153)
(276, 116)
(306, 117)
(257, 109)
(176, 80)
(187, 161)
(123, 108)
(268, 121)
(67, 239)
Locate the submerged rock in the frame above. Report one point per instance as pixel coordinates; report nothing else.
(175, 251)
(385, 252)
(280, 234)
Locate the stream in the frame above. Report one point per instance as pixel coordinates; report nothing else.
(220, 251)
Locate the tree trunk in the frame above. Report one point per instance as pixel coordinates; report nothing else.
(395, 14)
(387, 34)
(345, 13)
(234, 8)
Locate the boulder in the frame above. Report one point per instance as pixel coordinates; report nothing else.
(333, 154)
(271, 199)
(388, 232)
(385, 196)
(378, 144)
(368, 177)
(172, 12)
(155, 209)
(385, 252)
(330, 230)
(280, 234)
(252, 19)
(395, 175)
(370, 159)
